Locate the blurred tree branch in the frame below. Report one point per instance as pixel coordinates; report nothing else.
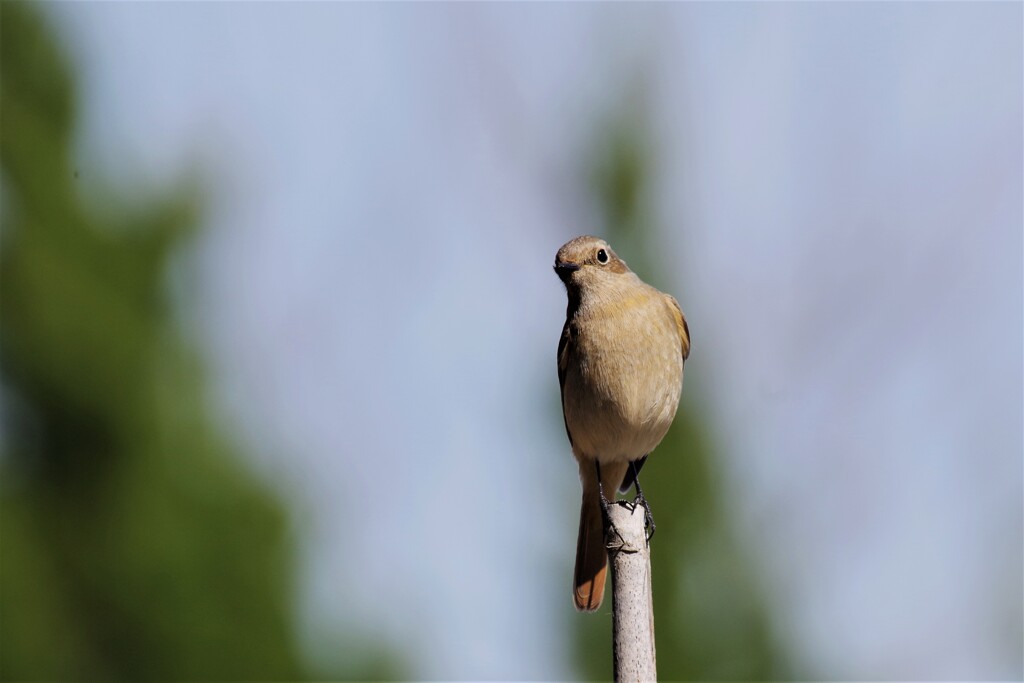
(135, 545)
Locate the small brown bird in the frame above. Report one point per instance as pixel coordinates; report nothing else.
(620, 367)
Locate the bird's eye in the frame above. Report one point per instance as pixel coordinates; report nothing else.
(602, 256)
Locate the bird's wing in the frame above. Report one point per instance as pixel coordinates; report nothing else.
(684, 330)
(563, 354)
(563, 364)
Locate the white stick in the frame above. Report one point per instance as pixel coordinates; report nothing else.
(632, 603)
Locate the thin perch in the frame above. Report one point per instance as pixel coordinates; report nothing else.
(632, 603)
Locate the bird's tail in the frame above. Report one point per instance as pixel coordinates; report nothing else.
(591, 553)
(591, 556)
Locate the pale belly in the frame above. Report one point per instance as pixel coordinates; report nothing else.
(620, 398)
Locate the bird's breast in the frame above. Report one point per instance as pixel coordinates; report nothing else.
(623, 378)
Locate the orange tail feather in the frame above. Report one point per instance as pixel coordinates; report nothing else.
(591, 556)
(591, 553)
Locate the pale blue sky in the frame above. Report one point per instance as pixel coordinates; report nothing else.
(840, 190)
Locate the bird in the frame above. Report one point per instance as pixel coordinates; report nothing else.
(620, 371)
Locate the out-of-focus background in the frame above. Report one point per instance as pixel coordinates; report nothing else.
(278, 330)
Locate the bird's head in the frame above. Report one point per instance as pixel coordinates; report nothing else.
(587, 261)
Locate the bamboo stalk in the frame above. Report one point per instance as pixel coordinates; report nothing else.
(632, 603)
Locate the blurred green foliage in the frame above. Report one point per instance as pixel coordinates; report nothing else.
(135, 545)
(710, 623)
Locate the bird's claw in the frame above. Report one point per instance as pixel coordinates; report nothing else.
(649, 525)
(605, 503)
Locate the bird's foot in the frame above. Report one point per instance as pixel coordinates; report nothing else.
(605, 506)
(649, 525)
(605, 503)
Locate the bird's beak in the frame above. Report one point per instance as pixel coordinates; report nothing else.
(565, 270)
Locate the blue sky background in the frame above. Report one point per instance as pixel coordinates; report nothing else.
(840, 187)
